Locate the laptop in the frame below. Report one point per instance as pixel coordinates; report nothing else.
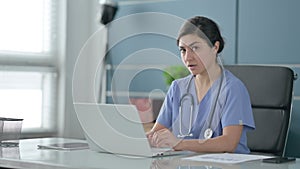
(116, 129)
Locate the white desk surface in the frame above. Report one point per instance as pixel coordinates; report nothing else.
(28, 156)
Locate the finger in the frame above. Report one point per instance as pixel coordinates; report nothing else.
(167, 139)
(149, 134)
(161, 140)
(160, 135)
(163, 143)
(155, 139)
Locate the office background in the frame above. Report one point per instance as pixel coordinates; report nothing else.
(256, 32)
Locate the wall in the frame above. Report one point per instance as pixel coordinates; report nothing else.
(270, 35)
(256, 32)
(142, 42)
(81, 24)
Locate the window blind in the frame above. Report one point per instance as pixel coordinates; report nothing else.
(29, 50)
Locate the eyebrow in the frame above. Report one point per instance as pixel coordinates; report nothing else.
(193, 43)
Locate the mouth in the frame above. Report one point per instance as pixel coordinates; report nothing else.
(192, 65)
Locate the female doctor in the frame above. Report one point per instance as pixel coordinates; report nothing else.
(209, 110)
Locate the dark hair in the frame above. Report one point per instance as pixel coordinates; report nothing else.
(203, 27)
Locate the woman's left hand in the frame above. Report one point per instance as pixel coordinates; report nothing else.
(164, 138)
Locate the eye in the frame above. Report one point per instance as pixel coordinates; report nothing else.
(182, 50)
(195, 48)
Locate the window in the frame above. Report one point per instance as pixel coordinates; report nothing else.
(29, 60)
(28, 94)
(26, 26)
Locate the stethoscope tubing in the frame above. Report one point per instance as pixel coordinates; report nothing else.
(187, 94)
(208, 132)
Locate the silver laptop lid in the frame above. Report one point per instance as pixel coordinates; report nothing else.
(113, 128)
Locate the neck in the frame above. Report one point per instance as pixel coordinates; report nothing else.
(208, 77)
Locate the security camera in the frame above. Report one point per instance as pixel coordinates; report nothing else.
(109, 9)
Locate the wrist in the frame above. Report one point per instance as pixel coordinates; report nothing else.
(179, 145)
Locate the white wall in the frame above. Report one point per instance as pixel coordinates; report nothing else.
(81, 24)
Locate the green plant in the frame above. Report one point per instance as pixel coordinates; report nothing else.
(174, 72)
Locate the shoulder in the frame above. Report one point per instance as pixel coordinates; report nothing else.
(233, 85)
(181, 82)
(231, 80)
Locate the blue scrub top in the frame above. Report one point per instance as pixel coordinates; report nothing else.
(233, 108)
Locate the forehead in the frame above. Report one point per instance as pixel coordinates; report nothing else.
(189, 39)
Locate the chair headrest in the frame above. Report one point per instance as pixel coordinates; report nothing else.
(268, 86)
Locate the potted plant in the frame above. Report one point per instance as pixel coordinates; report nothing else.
(174, 72)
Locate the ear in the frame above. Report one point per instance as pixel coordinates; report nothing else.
(216, 46)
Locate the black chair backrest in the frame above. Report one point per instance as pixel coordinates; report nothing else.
(271, 93)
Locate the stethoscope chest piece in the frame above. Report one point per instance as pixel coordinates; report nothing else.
(208, 133)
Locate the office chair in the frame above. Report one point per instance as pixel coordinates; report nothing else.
(271, 93)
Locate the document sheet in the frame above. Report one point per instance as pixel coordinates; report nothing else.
(229, 158)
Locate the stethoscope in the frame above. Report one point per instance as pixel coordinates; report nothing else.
(208, 132)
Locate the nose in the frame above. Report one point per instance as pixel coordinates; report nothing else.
(189, 54)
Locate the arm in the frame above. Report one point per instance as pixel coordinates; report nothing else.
(224, 143)
(157, 127)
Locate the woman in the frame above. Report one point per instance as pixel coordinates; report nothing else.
(209, 110)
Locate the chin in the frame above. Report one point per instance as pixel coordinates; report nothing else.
(194, 74)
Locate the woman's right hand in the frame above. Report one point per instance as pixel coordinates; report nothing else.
(149, 135)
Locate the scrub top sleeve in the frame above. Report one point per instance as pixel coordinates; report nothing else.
(165, 115)
(237, 109)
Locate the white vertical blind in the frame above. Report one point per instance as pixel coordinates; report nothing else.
(27, 93)
(27, 26)
(28, 41)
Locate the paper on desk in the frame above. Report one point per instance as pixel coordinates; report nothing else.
(228, 158)
(65, 146)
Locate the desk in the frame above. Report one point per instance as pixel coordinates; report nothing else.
(28, 156)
